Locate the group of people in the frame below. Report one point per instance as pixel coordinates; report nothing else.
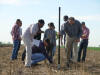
(37, 50)
(72, 31)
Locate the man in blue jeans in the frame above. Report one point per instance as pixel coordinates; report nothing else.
(16, 36)
(83, 43)
(39, 52)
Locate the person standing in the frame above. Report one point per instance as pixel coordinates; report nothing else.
(73, 31)
(84, 43)
(63, 34)
(16, 37)
(51, 35)
(27, 38)
(37, 37)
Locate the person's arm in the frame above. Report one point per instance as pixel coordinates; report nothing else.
(80, 31)
(86, 34)
(61, 40)
(55, 37)
(40, 31)
(45, 35)
(34, 29)
(43, 50)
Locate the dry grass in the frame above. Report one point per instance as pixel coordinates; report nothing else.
(16, 67)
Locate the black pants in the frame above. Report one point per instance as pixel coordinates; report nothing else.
(82, 47)
(23, 54)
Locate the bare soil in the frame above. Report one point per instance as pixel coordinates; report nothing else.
(16, 67)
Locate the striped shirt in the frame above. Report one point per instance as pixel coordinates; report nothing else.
(85, 34)
(16, 32)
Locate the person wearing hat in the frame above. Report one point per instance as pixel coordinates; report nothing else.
(84, 43)
(27, 38)
(51, 35)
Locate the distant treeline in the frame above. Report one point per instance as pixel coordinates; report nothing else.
(5, 44)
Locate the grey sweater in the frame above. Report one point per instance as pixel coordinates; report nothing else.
(74, 30)
(51, 35)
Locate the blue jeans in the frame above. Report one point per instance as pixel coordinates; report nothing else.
(53, 51)
(16, 47)
(83, 46)
(37, 57)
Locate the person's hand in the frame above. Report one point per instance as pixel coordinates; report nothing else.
(77, 40)
(20, 38)
(83, 36)
(51, 61)
(40, 31)
(58, 33)
(12, 37)
(61, 43)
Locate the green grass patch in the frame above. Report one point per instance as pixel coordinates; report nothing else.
(89, 48)
(94, 48)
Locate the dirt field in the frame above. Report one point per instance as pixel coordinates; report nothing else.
(16, 67)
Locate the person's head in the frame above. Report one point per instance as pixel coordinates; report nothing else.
(83, 24)
(65, 18)
(46, 42)
(51, 25)
(19, 22)
(54, 27)
(71, 20)
(41, 23)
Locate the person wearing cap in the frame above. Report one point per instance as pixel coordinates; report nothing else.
(51, 35)
(16, 33)
(84, 43)
(27, 38)
(73, 30)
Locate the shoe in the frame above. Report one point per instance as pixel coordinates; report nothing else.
(78, 60)
(67, 65)
(50, 60)
(83, 61)
(12, 59)
(27, 66)
(35, 64)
